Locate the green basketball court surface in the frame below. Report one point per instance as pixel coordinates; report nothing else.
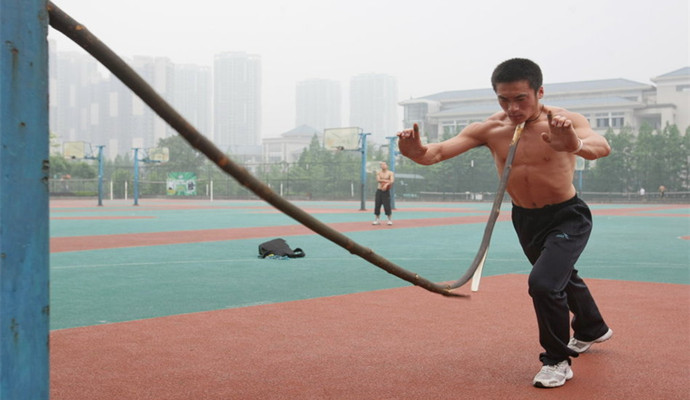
(107, 284)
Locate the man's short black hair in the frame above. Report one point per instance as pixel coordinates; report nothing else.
(517, 69)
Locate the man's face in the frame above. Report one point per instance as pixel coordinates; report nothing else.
(518, 100)
(383, 166)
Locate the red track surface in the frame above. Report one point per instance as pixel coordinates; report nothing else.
(390, 344)
(80, 243)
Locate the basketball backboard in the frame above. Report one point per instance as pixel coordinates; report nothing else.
(76, 150)
(342, 138)
(159, 154)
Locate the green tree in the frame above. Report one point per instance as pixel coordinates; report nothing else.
(77, 169)
(646, 158)
(119, 177)
(481, 170)
(83, 170)
(672, 157)
(183, 158)
(613, 173)
(58, 166)
(685, 161)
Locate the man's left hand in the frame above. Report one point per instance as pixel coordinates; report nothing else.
(561, 135)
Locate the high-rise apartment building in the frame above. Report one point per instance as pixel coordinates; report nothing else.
(75, 101)
(374, 105)
(192, 96)
(237, 103)
(318, 104)
(92, 107)
(121, 118)
(159, 73)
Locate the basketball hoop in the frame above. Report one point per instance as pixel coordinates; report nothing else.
(340, 139)
(159, 154)
(76, 150)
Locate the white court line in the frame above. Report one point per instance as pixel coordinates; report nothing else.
(231, 260)
(200, 261)
(426, 261)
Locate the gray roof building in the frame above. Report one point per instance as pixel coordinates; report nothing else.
(289, 146)
(606, 103)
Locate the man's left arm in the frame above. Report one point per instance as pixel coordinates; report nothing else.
(570, 132)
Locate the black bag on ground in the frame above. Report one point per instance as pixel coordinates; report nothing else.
(278, 247)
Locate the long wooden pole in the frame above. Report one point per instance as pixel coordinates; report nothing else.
(80, 35)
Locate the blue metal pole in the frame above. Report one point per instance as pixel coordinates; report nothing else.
(24, 171)
(392, 152)
(363, 171)
(136, 176)
(100, 175)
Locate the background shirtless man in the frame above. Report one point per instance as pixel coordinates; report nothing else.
(385, 179)
(552, 223)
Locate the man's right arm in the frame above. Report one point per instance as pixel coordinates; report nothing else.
(411, 146)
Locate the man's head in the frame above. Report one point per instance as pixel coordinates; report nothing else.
(517, 69)
(383, 166)
(518, 86)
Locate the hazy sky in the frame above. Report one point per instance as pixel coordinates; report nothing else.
(429, 46)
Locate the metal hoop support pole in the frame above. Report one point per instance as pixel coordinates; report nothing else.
(24, 211)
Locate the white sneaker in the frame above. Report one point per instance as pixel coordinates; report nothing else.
(551, 376)
(390, 222)
(376, 223)
(581, 346)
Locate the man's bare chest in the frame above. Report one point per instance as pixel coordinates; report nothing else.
(385, 175)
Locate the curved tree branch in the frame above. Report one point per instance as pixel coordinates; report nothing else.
(89, 42)
(80, 35)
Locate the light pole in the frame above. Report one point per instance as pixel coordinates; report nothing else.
(363, 172)
(136, 176)
(392, 152)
